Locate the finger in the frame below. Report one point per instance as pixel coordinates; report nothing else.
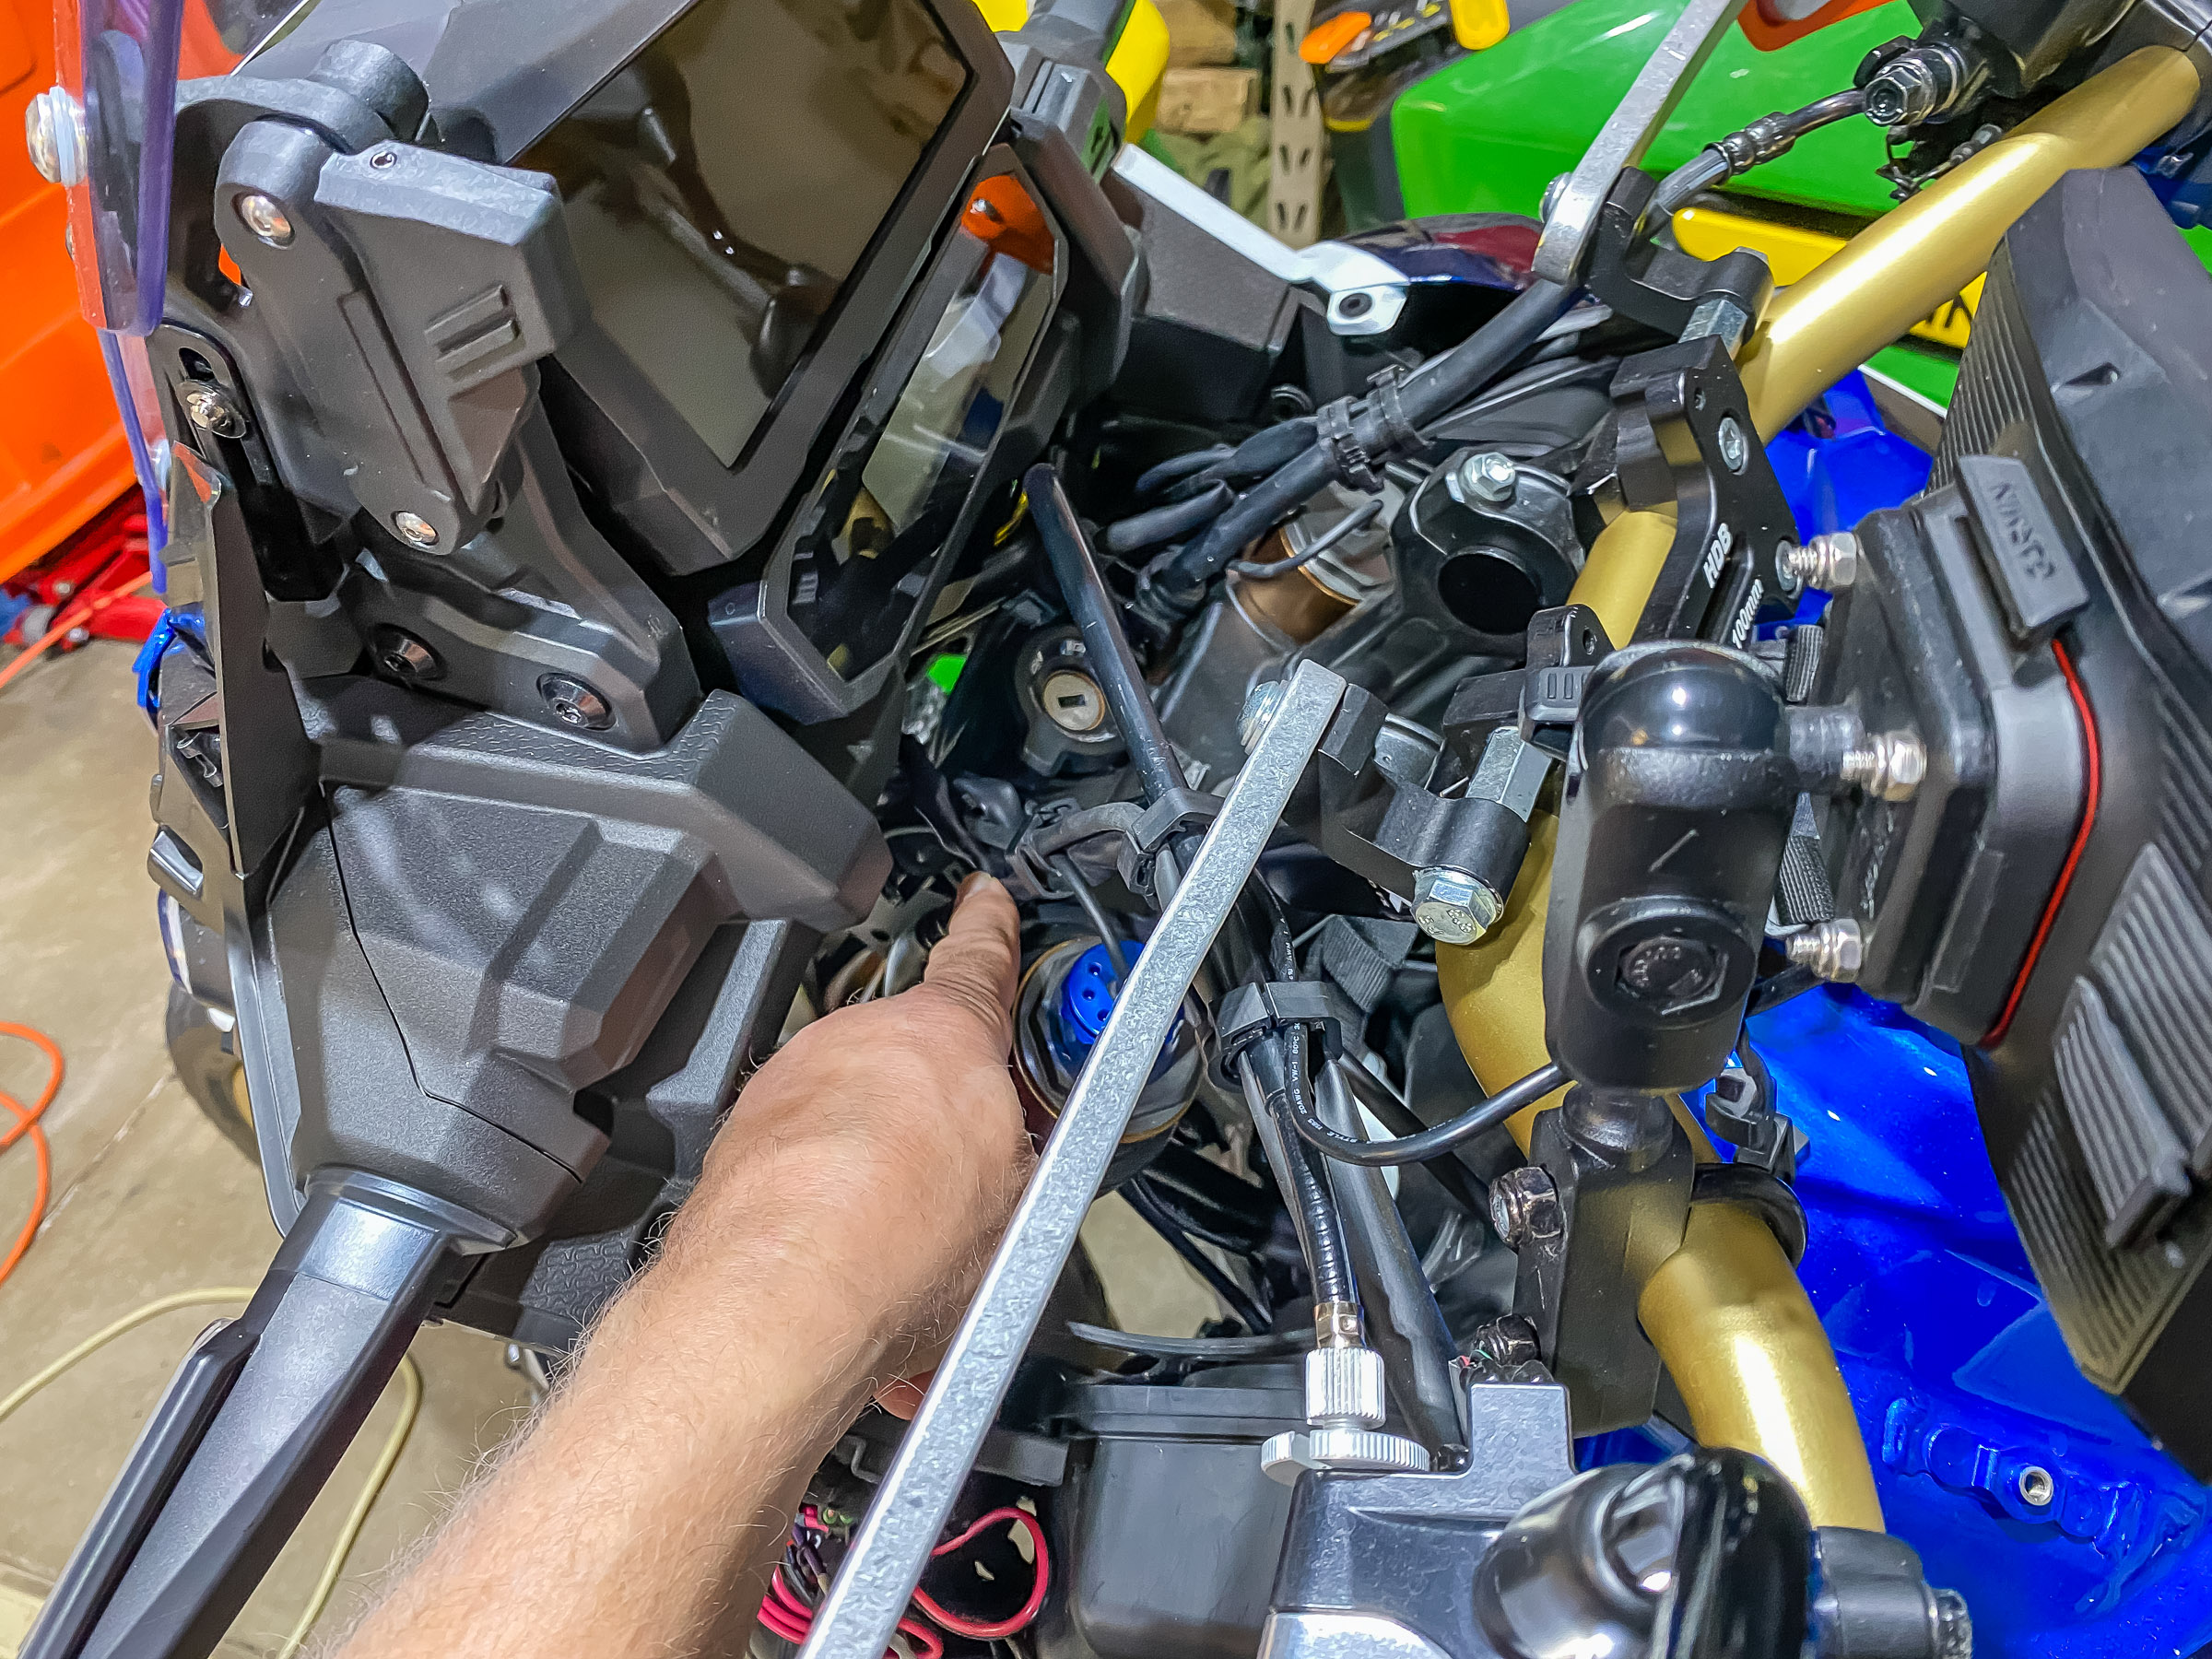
(902, 1396)
(979, 958)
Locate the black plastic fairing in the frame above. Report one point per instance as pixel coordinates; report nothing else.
(2092, 365)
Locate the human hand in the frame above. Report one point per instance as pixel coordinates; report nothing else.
(884, 1145)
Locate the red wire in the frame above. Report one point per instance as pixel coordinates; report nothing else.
(2093, 784)
(972, 1629)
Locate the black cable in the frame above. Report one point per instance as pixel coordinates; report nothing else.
(1157, 524)
(1232, 1296)
(1312, 1207)
(1334, 535)
(1106, 648)
(1420, 1149)
(1403, 1322)
(1265, 1346)
(1154, 479)
(1754, 1067)
(1445, 379)
(1109, 936)
(1395, 1115)
(1779, 988)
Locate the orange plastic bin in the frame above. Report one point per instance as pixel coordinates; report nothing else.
(62, 454)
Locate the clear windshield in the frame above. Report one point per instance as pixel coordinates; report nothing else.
(111, 119)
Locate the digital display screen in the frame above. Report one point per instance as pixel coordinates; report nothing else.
(722, 187)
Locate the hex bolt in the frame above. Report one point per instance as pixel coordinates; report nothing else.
(53, 131)
(266, 218)
(1829, 562)
(402, 657)
(575, 704)
(1954, 1626)
(1508, 1341)
(1832, 949)
(2037, 1487)
(1260, 704)
(1452, 907)
(1489, 477)
(415, 530)
(1720, 317)
(1525, 1206)
(210, 409)
(1887, 765)
(1736, 454)
(1670, 969)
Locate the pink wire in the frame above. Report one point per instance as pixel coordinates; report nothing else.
(972, 1629)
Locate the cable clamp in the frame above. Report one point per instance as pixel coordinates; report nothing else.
(1348, 458)
(1254, 1011)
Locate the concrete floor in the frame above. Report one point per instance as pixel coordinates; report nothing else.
(148, 1198)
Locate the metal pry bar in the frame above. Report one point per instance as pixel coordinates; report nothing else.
(1563, 249)
(893, 1544)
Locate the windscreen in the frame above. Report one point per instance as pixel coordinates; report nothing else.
(722, 187)
(106, 132)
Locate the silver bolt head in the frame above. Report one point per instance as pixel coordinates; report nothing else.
(2037, 1487)
(1513, 1196)
(266, 218)
(1452, 907)
(206, 407)
(1836, 560)
(413, 529)
(53, 131)
(575, 704)
(1489, 477)
(1834, 949)
(1736, 454)
(1552, 193)
(1260, 704)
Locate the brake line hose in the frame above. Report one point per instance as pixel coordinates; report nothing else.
(1267, 1066)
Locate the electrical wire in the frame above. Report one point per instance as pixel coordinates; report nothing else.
(27, 1122)
(1109, 936)
(1265, 1346)
(1419, 1148)
(1334, 535)
(74, 617)
(333, 1566)
(1140, 1199)
(995, 1630)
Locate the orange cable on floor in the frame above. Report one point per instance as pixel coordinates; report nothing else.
(27, 1122)
(56, 633)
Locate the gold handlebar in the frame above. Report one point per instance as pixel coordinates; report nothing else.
(1726, 1312)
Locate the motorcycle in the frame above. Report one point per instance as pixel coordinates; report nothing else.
(617, 588)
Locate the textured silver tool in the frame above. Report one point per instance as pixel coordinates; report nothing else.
(1564, 247)
(893, 1544)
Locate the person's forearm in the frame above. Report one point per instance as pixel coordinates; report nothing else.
(641, 1514)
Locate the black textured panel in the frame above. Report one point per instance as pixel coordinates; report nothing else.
(2154, 961)
(2134, 1156)
(2108, 1302)
(1992, 397)
(2186, 758)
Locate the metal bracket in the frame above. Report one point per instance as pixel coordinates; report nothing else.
(893, 1544)
(1682, 437)
(1628, 133)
